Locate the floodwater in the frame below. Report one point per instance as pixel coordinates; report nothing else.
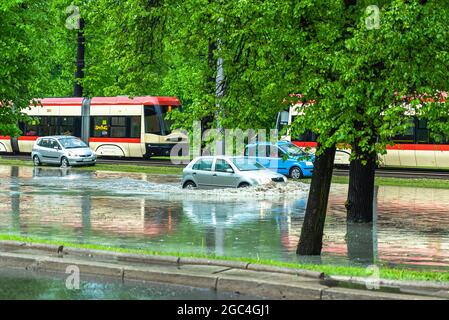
(152, 212)
(22, 285)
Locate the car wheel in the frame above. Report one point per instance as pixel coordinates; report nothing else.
(296, 173)
(244, 185)
(65, 162)
(189, 185)
(36, 161)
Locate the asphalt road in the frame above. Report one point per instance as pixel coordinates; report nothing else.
(381, 172)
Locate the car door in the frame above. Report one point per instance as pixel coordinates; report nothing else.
(202, 172)
(53, 151)
(259, 151)
(44, 150)
(223, 174)
(276, 162)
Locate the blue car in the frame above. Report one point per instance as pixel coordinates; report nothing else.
(283, 157)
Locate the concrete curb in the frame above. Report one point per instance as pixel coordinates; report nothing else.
(259, 280)
(144, 258)
(298, 272)
(434, 288)
(395, 283)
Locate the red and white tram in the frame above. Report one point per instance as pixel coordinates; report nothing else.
(414, 149)
(113, 126)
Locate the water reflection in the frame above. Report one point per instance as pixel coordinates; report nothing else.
(153, 212)
(24, 285)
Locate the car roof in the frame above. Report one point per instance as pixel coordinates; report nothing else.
(265, 143)
(57, 137)
(220, 157)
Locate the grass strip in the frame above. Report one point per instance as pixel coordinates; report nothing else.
(385, 272)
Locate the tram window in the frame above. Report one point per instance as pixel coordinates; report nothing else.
(408, 136)
(167, 123)
(69, 126)
(134, 127)
(118, 132)
(118, 121)
(118, 127)
(44, 127)
(30, 129)
(422, 133)
(48, 126)
(115, 127)
(100, 127)
(306, 136)
(152, 124)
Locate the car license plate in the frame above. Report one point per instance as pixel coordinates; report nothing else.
(87, 159)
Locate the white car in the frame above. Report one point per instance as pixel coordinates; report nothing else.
(227, 172)
(62, 150)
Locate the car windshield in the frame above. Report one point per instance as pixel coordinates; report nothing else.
(292, 149)
(246, 164)
(71, 143)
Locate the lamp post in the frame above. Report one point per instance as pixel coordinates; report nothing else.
(220, 88)
(79, 73)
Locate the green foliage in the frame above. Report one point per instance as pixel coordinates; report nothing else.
(270, 49)
(17, 67)
(358, 76)
(33, 59)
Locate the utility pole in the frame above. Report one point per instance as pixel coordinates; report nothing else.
(79, 73)
(220, 84)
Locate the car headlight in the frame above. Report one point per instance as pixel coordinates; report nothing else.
(71, 154)
(263, 180)
(309, 163)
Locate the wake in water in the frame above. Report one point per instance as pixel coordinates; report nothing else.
(155, 186)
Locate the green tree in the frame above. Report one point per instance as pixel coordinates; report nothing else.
(18, 70)
(359, 85)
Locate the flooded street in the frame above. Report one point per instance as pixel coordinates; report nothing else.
(152, 212)
(23, 285)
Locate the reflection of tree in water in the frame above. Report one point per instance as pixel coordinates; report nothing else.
(15, 199)
(361, 238)
(23, 288)
(160, 220)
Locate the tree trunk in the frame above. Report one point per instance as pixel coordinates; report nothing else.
(311, 240)
(361, 189)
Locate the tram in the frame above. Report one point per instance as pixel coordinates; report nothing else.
(413, 149)
(112, 126)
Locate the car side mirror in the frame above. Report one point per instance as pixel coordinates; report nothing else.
(229, 170)
(56, 148)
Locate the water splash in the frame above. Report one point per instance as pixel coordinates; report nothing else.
(153, 187)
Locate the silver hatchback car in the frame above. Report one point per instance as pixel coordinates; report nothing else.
(62, 150)
(227, 172)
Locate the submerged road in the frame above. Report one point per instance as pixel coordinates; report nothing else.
(340, 171)
(220, 276)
